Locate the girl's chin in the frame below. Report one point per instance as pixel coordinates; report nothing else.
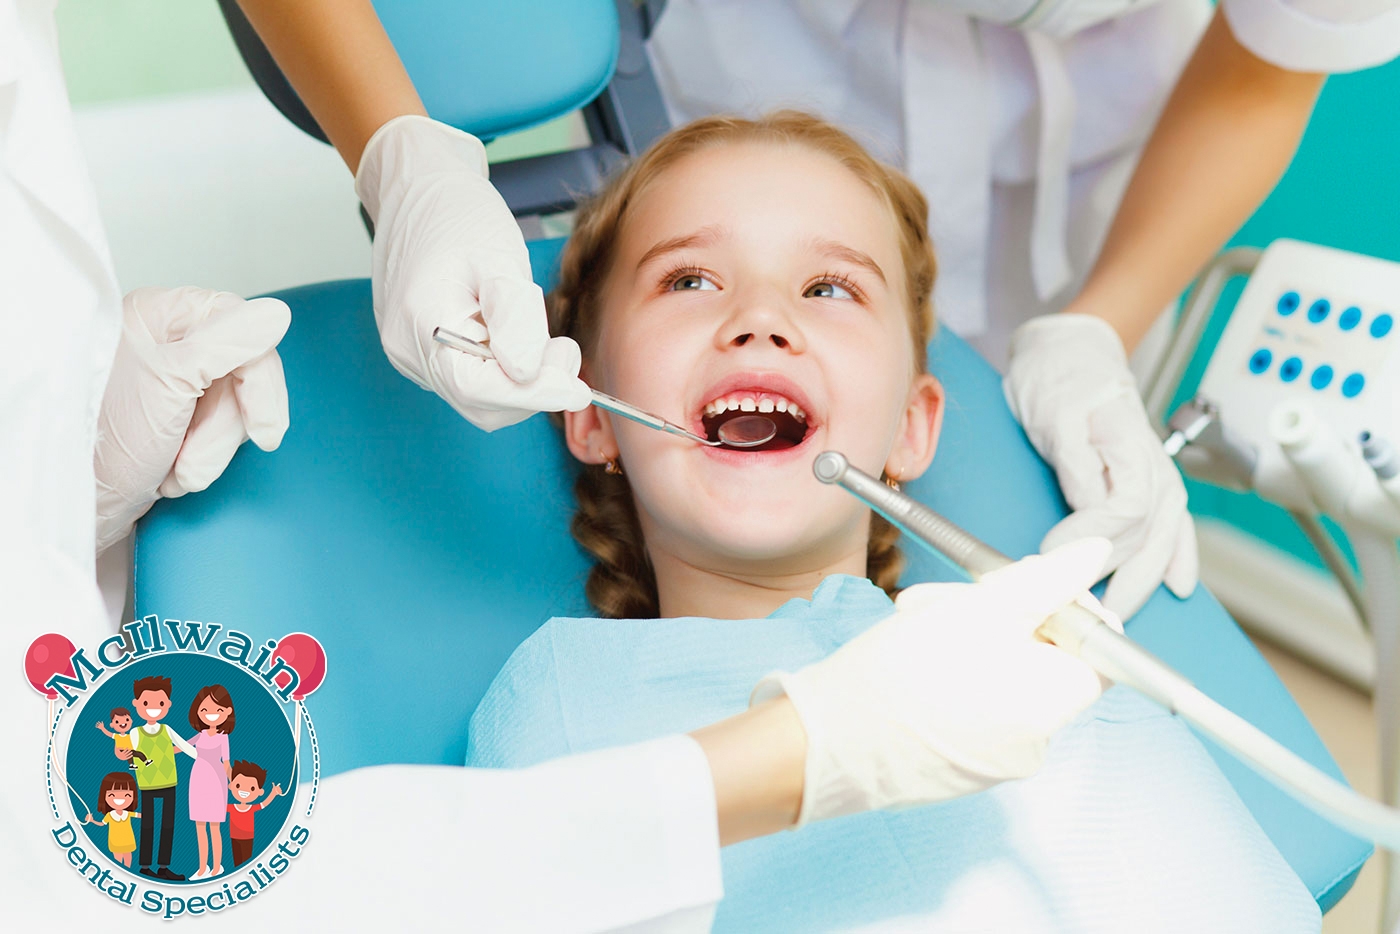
(753, 542)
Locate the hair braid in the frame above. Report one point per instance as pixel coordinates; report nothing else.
(884, 562)
(621, 584)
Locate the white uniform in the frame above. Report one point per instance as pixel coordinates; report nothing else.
(1021, 121)
(622, 838)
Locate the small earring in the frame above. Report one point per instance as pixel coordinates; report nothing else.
(612, 466)
(892, 481)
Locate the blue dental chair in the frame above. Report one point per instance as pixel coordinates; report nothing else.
(421, 551)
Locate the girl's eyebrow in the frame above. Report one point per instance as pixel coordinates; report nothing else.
(841, 251)
(703, 237)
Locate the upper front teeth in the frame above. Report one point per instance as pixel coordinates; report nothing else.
(748, 403)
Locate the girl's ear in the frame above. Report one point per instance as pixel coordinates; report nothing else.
(589, 436)
(917, 440)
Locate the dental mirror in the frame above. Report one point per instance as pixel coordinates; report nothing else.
(745, 431)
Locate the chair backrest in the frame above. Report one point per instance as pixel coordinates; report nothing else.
(490, 68)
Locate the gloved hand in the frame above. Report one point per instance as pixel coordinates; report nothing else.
(1069, 385)
(950, 695)
(448, 253)
(195, 376)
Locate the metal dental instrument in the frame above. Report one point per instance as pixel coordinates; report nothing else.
(745, 431)
(1081, 633)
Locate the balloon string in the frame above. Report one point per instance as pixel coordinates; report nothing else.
(315, 756)
(48, 760)
(296, 745)
(51, 763)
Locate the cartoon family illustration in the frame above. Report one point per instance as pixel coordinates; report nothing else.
(150, 750)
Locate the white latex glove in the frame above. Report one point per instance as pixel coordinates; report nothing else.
(195, 376)
(1069, 385)
(448, 253)
(949, 696)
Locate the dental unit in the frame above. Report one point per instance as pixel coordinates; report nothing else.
(1300, 404)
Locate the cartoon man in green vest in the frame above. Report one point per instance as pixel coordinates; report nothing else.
(156, 779)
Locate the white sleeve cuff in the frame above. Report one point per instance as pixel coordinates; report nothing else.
(1334, 37)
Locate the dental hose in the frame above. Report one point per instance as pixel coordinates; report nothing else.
(1079, 632)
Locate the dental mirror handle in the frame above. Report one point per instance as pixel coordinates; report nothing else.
(601, 399)
(1123, 661)
(616, 406)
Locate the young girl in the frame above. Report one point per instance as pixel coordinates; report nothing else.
(212, 715)
(114, 796)
(773, 266)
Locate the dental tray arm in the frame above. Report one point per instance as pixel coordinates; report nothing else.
(1116, 657)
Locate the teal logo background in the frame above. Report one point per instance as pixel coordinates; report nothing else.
(262, 734)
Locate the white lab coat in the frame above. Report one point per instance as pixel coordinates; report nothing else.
(1023, 137)
(623, 838)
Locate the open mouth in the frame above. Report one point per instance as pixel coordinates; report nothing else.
(787, 416)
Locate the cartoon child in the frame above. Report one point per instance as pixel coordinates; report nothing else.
(115, 795)
(157, 778)
(246, 785)
(120, 734)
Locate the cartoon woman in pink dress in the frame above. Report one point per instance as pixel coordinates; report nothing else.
(212, 715)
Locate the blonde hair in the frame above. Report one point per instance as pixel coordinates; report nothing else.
(622, 583)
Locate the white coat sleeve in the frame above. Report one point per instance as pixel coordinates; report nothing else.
(621, 839)
(1331, 36)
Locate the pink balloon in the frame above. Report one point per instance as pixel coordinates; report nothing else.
(49, 655)
(304, 654)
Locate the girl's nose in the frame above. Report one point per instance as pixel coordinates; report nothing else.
(761, 323)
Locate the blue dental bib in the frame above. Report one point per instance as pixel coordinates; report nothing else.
(1130, 825)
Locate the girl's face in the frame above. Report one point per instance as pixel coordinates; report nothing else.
(119, 799)
(765, 276)
(211, 713)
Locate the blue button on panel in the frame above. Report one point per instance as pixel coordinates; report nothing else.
(1261, 360)
(1288, 303)
(1349, 318)
(1318, 310)
(1321, 377)
(1352, 385)
(1381, 325)
(1288, 371)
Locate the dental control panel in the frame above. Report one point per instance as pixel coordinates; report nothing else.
(1309, 360)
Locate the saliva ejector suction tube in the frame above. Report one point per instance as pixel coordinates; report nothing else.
(1116, 657)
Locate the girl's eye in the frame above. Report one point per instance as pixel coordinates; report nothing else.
(692, 282)
(828, 289)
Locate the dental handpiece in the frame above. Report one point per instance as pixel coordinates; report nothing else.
(1113, 655)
